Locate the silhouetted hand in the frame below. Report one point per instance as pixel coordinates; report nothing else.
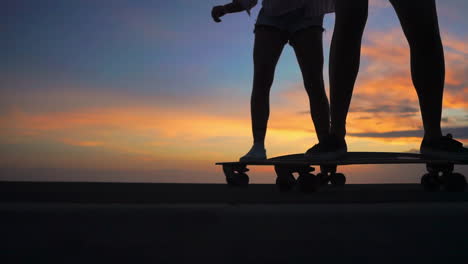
(217, 12)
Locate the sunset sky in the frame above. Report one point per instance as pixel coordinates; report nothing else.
(155, 91)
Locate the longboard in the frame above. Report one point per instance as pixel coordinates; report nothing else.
(440, 172)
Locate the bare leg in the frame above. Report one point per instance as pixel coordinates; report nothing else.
(308, 47)
(421, 28)
(345, 52)
(268, 46)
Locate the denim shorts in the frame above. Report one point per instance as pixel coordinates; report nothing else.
(290, 22)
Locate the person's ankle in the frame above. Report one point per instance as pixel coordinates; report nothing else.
(336, 137)
(260, 145)
(432, 136)
(323, 135)
(338, 133)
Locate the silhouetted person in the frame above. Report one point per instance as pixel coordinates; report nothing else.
(298, 22)
(420, 25)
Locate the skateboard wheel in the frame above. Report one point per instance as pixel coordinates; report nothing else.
(285, 183)
(430, 182)
(455, 182)
(338, 179)
(285, 179)
(308, 182)
(324, 178)
(238, 179)
(236, 176)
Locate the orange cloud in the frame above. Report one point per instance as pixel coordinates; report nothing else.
(151, 138)
(72, 142)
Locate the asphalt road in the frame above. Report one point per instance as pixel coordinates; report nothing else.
(365, 229)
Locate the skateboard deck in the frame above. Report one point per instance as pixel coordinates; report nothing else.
(439, 171)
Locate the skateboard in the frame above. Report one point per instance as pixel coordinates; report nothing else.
(440, 172)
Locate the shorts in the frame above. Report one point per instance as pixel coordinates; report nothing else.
(291, 22)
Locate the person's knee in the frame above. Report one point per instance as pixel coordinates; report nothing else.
(260, 95)
(263, 76)
(263, 79)
(420, 27)
(314, 86)
(423, 38)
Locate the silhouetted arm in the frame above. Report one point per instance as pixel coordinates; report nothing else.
(246, 4)
(234, 7)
